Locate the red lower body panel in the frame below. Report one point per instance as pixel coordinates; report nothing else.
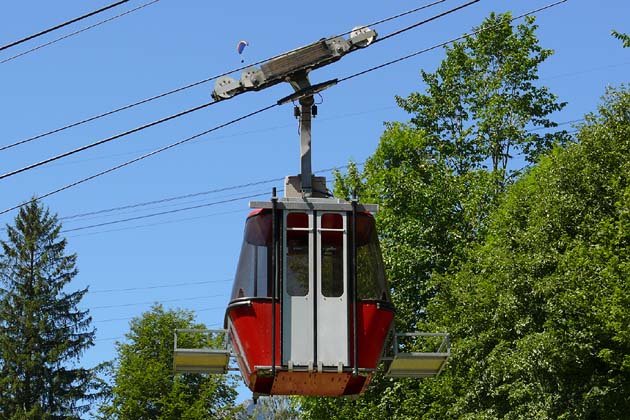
(250, 329)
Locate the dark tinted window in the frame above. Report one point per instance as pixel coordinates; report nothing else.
(297, 257)
(370, 270)
(254, 264)
(331, 252)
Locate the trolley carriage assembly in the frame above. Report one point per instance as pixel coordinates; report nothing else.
(310, 312)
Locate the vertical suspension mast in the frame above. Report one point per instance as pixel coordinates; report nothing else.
(306, 173)
(304, 95)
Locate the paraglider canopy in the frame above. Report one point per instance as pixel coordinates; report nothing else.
(240, 47)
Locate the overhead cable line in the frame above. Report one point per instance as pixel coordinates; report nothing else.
(239, 210)
(123, 305)
(481, 29)
(234, 187)
(97, 212)
(233, 135)
(556, 125)
(158, 286)
(450, 41)
(227, 189)
(408, 12)
(54, 41)
(584, 71)
(191, 85)
(160, 207)
(423, 22)
(169, 199)
(164, 222)
(185, 196)
(129, 318)
(178, 210)
(120, 337)
(214, 203)
(136, 205)
(139, 158)
(106, 140)
(117, 136)
(61, 25)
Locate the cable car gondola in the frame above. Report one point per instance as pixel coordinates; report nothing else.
(310, 312)
(309, 256)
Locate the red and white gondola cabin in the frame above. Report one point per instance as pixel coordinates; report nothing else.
(310, 312)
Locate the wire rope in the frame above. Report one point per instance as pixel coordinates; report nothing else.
(442, 44)
(61, 25)
(124, 305)
(106, 140)
(160, 286)
(54, 41)
(161, 213)
(139, 158)
(143, 127)
(425, 21)
(481, 29)
(191, 85)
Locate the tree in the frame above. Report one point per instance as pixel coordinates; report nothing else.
(429, 175)
(539, 313)
(431, 180)
(144, 385)
(428, 213)
(275, 407)
(624, 38)
(481, 102)
(42, 332)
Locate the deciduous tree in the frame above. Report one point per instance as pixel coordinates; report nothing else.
(539, 312)
(438, 178)
(481, 103)
(144, 384)
(624, 38)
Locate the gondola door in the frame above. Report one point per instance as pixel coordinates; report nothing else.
(314, 312)
(332, 304)
(298, 338)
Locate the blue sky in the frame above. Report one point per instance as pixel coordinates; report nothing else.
(187, 259)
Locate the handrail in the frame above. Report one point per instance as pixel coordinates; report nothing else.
(443, 348)
(209, 332)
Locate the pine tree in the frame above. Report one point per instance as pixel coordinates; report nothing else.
(42, 332)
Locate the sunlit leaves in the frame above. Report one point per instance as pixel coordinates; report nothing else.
(482, 102)
(539, 312)
(624, 38)
(144, 385)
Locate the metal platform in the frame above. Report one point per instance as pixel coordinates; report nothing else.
(212, 360)
(419, 364)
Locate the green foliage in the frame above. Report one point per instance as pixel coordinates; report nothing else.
(530, 280)
(42, 332)
(277, 407)
(428, 213)
(539, 313)
(537, 309)
(624, 38)
(428, 216)
(145, 386)
(481, 102)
